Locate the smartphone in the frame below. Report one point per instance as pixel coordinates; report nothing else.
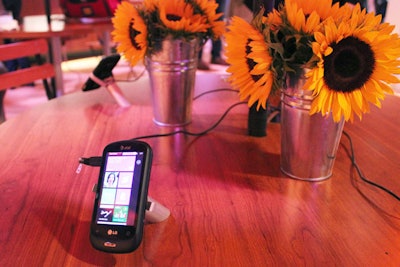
(102, 71)
(121, 197)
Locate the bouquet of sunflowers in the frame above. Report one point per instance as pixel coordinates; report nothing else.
(348, 56)
(138, 29)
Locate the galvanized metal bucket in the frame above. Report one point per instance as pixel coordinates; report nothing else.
(172, 73)
(308, 143)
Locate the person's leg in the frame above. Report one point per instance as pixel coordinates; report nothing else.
(216, 48)
(24, 62)
(14, 6)
(202, 65)
(380, 7)
(216, 53)
(217, 44)
(11, 65)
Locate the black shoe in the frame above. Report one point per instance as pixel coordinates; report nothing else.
(203, 65)
(219, 61)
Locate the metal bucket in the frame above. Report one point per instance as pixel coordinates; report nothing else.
(308, 143)
(172, 73)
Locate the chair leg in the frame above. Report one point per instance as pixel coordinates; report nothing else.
(53, 87)
(2, 115)
(50, 88)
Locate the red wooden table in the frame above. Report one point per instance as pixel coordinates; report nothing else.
(230, 204)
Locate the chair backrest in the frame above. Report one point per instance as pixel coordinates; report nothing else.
(26, 75)
(39, 71)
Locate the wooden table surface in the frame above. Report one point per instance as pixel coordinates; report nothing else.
(230, 204)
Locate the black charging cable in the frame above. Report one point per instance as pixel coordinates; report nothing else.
(359, 172)
(96, 161)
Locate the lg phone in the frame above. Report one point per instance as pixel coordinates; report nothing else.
(121, 197)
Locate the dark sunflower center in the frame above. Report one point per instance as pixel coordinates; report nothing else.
(349, 66)
(251, 63)
(132, 35)
(172, 17)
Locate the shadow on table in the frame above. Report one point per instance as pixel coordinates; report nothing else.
(73, 235)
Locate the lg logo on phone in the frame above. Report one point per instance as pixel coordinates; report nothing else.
(111, 232)
(126, 147)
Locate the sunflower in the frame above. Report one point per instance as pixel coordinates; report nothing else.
(306, 16)
(179, 16)
(358, 59)
(247, 54)
(209, 9)
(130, 32)
(301, 21)
(150, 5)
(140, 28)
(323, 8)
(289, 32)
(274, 20)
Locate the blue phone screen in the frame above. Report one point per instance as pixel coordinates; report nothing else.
(120, 188)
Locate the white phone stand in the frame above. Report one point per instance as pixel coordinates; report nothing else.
(155, 212)
(111, 86)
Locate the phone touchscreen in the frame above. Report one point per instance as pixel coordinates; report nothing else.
(118, 197)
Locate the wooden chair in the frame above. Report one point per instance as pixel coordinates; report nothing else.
(42, 70)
